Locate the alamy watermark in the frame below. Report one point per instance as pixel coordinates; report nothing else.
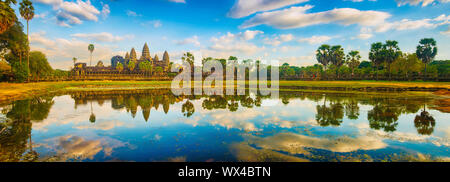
(226, 77)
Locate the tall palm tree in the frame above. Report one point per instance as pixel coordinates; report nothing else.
(352, 60)
(91, 49)
(426, 51)
(7, 15)
(27, 12)
(391, 52)
(376, 55)
(74, 60)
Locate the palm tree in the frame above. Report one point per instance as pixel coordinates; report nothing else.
(27, 12)
(74, 60)
(391, 52)
(426, 51)
(337, 57)
(92, 116)
(323, 55)
(376, 55)
(352, 60)
(7, 15)
(91, 49)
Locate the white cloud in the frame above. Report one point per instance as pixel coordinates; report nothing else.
(299, 60)
(232, 44)
(132, 13)
(244, 8)
(286, 37)
(39, 38)
(102, 37)
(407, 24)
(72, 13)
(417, 2)
(249, 34)
(154, 23)
(296, 17)
(189, 41)
(278, 39)
(446, 32)
(105, 11)
(60, 51)
(315, 39)
(178, 1)
(366, 33)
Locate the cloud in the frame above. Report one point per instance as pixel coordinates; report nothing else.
(39, 38)
(105, 11)
(189, 41)
(417, 2)
(249, 34)
(299, 60)
(73, 13)
(278, 39)
(154, 23)
(407, 24)
(366, 33)
(315, 39)
(70, 147)
(233, 44)
(132, 13)
(102, 37)
(244, 8)
(296, 143)
(62, 51)
(446, 32)
(177, 1)
(296, 17)
(41, 15)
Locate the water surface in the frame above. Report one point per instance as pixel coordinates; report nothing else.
(154, 125)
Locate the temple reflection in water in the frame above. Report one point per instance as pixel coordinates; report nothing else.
(331, 110)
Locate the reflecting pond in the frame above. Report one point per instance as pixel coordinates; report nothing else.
(155, 125)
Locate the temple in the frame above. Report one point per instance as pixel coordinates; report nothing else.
(130, 65)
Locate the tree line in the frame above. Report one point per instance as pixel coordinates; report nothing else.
(17, 62)
(385, 59)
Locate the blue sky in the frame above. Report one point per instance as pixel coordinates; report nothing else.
(285, 30)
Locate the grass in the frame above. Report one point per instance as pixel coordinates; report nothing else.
(14, 91)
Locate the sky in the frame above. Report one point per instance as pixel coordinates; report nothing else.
(285, 30)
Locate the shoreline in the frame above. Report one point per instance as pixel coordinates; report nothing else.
(16, 91)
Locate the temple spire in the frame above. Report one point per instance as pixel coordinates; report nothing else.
(145, 53)
(133, 56)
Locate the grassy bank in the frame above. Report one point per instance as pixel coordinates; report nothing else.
(14, 91)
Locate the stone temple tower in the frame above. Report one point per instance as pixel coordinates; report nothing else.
(166, 60)
(145, 53)
(133, 56)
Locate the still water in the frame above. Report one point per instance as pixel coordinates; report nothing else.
(154, 125)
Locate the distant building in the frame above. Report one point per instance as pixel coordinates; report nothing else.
(83, 69)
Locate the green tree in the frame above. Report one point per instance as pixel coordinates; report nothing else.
(27, 12)
(91, 49)
(376, 55)
(406, 64)
(426, 51)
(323, 55)
(39, 65)
(337, 57)
(352, 60)
(7, 15)
(131, 65)
(74, 59)
(391, 52)
(14, 40)
(189, 59)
